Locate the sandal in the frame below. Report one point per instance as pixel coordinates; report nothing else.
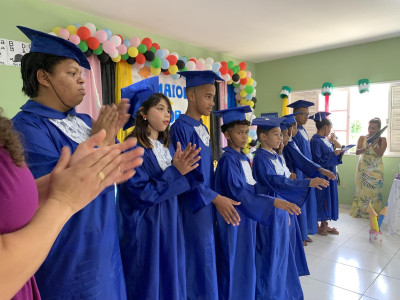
(309, 240)
(322, 231)
(332, 231)
(304, 243)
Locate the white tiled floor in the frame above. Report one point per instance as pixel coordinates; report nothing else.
(348, 266)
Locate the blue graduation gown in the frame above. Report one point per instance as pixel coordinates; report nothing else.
(197, 214)
(327, 199)
(303, 142)
(299, 164)
(85, 260)
(279, 186)
(235, 246)
(150, 230)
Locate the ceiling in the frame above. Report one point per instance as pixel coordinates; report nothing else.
(255, 30)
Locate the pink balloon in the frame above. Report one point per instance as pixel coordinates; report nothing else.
(64, 33)
(166, 52)
(138, 66)
(75, 39)
(200, 66)
(116, 40)
(101, 36)
(122, 49)
(248, 74)
(237, 97)
(135, 41)
(109, 47)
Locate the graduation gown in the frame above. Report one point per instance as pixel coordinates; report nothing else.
(269, 172)
(303, 142)
(197, 213)
(85, 260)
(150, 227)
(327, 199)
(235, 245)
(299, 164)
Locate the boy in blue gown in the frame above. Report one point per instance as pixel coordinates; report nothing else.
(85, 261)
(197, 210)
(323, 153)
(299, 165)
(150, 227)
(233, 178)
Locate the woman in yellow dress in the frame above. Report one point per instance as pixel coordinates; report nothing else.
(369, 172)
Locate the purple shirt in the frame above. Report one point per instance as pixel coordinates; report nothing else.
(18, 204)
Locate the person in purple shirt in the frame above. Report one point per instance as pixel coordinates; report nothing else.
(27, 229)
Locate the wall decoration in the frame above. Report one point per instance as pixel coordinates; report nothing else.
(285, 92)
(326, 91)
(363, 85)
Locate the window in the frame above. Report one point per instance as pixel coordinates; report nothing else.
(351, 112)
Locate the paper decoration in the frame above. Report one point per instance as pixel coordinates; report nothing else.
(326, 91)
(11, 52)
(285, 92)
(363, 85)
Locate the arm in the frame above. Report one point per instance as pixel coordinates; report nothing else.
(323, 157)
(359, 149)
(381, 148)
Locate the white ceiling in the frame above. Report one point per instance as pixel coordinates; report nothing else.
(255, 30)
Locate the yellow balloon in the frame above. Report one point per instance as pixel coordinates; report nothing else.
(250, 103)
(56, 29)
(173, 69)
(243, 102)
(155, 71)
(243, 93)
(250, 81)
(230, 81)
(72, 29)
(246, 150)
(242, 74)
(249, 140)
(116, 59)
(133, 51)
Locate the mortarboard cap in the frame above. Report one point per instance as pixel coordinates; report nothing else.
(300, 103)
(137, 94)
(267, 123)
(319, 116)
(196, 78)
(233, 114)
(49, 44)
(290, 119)
(285, 125)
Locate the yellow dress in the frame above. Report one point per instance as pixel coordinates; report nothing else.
(369, 183)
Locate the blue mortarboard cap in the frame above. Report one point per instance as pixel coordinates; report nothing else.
(267, 123)
(137, 94)
(290, 119)
(233, 114)
(196, 78)
(49, 44)
(300, 103)
(285, 125)
(319, 116)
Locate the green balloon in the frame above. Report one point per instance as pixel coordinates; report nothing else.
(236, 69)
(236, 84)
(83, 46)
(153, 49)
(125, 56)
(156, 63)
(142, 48)
(99, 50)
(231, 64)
(249, 89)
(184, 69)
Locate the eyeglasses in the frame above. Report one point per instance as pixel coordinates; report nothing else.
(305, 114)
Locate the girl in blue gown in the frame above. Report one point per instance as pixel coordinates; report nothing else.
(150, 227)
(323, 154)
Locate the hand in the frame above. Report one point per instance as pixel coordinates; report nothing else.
(293, 176)
(186, 161)
(319, 183)
(327, 173)
(76, 186)
(338, 151)
(291, 208)
(226, 209)
(129, 160)
(123, 116)
(107, 120)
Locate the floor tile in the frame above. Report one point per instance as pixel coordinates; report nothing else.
(320, 248)
(384, 287)
(361, 242)
(343, 276)
(312, 259)
(317, 290)
(393, 269)
(359, 259)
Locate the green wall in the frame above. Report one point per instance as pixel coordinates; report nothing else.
(44, 16)
(378, 61)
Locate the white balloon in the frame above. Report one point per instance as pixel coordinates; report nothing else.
(166, 52)
(175, 54)
(191, 66)
(52, 33)
(201, 60)
(208, 67)
(242, 86)
(116, 40)
(114, 54)
(236, 90)
(91, 27)
(209, 61)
